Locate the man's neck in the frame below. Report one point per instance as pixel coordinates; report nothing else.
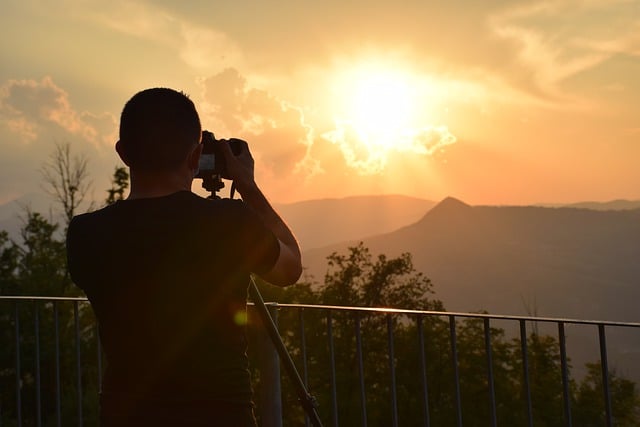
(145, 185)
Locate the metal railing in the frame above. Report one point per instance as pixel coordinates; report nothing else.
(55, 363)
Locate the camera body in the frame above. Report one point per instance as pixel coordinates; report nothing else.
(212, 161)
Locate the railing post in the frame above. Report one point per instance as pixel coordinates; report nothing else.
(332, 360)
(490, 380)
(305, 368)
(270, 392)
(565, 375)
(423, 371)
(525, 371)
(456, 373)
(38, 382)
(363, 396)
(76, 321)
(18, 368)
(56, 325)
(392, 372)
(604, 366)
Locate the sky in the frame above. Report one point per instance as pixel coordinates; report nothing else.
(492, 102)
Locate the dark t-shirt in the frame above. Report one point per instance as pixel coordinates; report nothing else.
(167, 278)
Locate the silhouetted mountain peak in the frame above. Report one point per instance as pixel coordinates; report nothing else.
(448, 208)
(451, 203)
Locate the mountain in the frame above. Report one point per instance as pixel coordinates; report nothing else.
(318, 223)
(568, 262)
(613, 205)
(551, 262)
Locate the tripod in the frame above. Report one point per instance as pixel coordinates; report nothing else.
(308, 402)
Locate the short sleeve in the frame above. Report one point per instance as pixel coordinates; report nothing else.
(260, 246)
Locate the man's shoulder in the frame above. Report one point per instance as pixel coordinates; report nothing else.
(83, 224)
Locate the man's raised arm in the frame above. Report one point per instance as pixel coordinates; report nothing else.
(288, 267)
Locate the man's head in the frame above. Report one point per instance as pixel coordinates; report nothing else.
(158, 129)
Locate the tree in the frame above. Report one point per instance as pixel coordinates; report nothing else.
(356, 278)
(36, 265)
(66, 179)
(589, 403)
(119, 184)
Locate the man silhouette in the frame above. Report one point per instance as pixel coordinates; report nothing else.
(166, 272)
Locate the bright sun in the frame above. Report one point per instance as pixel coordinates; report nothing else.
(383, 113)
(379, 105)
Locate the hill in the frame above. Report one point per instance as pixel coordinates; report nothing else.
(571, 262)
(555, 262)
(319, 223)
(613, 205)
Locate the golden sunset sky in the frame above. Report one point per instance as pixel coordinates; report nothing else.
(492, 102)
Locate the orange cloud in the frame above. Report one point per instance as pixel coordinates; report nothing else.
(29, 108)
(276, 130)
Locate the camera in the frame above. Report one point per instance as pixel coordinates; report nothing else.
(212, 161)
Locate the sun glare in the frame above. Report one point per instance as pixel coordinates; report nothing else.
(384, 112)
(381, 106)
(378, 104)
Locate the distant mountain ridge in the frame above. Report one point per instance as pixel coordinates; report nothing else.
(613, 205)
(525, 260)
(318, 223)
(574, 262)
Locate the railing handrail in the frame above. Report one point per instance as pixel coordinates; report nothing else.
(40, 298)
(386, 310)
(462, 314)
(272, 387)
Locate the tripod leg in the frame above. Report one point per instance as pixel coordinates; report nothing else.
(306, 400)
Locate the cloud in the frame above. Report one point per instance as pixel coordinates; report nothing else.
(368, 158)
(35, 115)
(554, 49)
(30, 107)
(276, 130)
(203, 48)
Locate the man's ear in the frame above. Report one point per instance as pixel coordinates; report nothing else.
(122, 152)
(194, 157)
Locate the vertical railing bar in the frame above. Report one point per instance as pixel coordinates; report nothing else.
(18, 367)
(363, 397)
(392, 372)
(456, 373)
(565, 375)
(38, 382)
(334, 394)
(490, 379)
(305, 368)
(76, 318)
(99, 347)
(525, 371)
(604, 366)
(423, 371)
(56, 327)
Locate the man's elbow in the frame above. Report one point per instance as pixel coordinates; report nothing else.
(286, 272)
(294, 274)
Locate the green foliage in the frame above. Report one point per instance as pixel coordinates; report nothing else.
(589, 402)
(37, 266)
(119, 184)
(360, 280)
(356, 279)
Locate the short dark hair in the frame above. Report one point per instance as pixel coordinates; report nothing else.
(158, 127)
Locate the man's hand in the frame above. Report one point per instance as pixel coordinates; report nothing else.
(240, 168)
